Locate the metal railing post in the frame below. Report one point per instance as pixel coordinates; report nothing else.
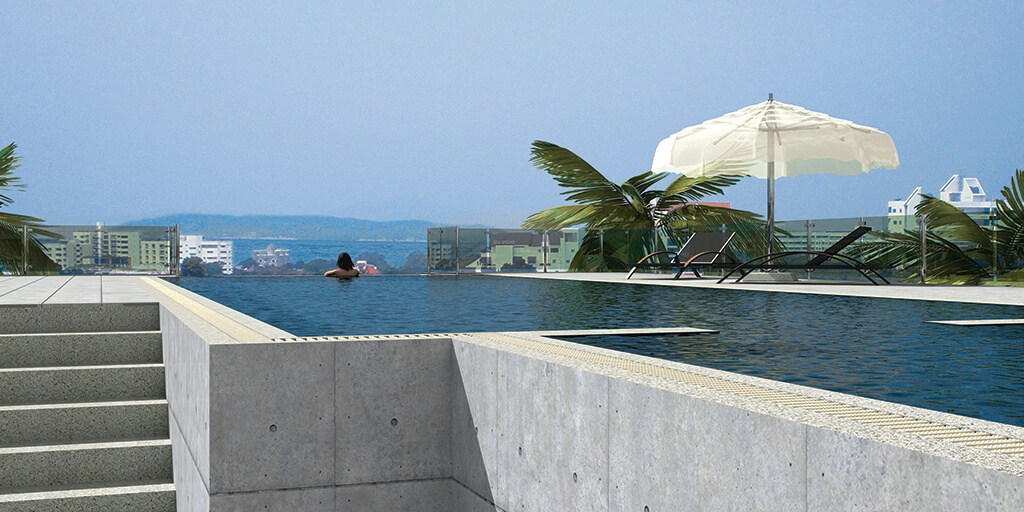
(993, 218)
(544, 250)
(456, 249)
(24, 249)
(924, 250)
(808, 225)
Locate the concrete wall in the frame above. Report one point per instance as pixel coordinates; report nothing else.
(468, 423)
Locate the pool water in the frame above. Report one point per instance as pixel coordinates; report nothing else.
(877, 348)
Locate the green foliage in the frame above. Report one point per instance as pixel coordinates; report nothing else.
(193, 267)
(635, 216)
(957, 249)
(11, 225)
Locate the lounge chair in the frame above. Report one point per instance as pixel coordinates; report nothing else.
(818, 262)
(701, 250)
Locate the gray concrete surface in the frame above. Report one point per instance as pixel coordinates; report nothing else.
(1006, 295)
(474, 423)
(63, 349)
(83, 419)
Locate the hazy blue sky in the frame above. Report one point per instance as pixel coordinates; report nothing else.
(385, 110)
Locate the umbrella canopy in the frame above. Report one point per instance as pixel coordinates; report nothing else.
(771, 140)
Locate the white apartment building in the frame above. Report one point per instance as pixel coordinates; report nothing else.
(967, 195)
(209, 251)
(963, 193)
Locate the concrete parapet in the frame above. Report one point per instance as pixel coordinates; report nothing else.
(495, 421)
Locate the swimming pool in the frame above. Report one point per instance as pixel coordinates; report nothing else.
(878, 348)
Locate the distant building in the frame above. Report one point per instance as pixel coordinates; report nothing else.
(209, 251)
(966, 194)
(272, 256)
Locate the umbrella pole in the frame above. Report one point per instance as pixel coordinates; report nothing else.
(771, 202)
(771, 186)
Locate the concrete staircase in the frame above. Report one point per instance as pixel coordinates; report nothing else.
(83, 420)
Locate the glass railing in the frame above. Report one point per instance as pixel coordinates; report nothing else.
(470, 250)
(95, 249)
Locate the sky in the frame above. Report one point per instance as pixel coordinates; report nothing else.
(414, 110)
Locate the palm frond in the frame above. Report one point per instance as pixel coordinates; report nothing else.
(951, 222)
(944, 257)
(585, 184)
(8, 163)
(1010, 211)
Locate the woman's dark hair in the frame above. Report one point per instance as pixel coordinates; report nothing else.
(345, 261)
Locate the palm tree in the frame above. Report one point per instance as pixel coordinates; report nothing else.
(632, 213)
(957, 248)
(12, 247)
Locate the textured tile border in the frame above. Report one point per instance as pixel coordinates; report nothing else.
(232, 328)
(924, 428)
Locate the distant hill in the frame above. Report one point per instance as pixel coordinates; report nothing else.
(303, 227)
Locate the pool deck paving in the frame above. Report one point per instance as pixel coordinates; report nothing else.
(1002, 295)
(52, 290)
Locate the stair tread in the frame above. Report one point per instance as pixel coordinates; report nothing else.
(81, 367)
(13, 335)
(83, 405)
(103, 445)
(82, 491)
(51, 444)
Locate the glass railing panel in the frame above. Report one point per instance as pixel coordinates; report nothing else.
(441, 249)
(113, 249)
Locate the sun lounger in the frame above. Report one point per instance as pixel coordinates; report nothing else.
(818, 262)
(701, 250)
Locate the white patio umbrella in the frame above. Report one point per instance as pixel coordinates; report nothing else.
(772, 139)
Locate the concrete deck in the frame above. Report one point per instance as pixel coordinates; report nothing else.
(244, 394)
(63, 290)
(53, 290)
(1004, 295)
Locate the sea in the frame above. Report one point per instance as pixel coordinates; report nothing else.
(395, 253)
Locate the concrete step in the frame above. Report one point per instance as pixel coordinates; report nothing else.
(25, 386)
(39, 468)
(79, 349)
(143, 497)
(67, 423)
(79, 318)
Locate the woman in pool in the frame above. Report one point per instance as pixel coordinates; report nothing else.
(345, 268)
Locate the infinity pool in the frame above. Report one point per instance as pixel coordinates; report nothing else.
(878, 348)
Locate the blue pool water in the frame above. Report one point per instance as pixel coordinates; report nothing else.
(878, 348)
